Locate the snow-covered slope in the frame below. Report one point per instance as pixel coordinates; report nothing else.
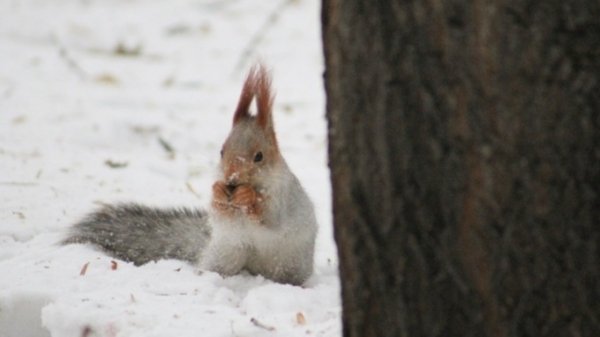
(108, 100)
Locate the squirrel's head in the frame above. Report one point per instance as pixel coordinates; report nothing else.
(251, 147)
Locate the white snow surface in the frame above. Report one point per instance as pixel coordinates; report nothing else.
(105, 101)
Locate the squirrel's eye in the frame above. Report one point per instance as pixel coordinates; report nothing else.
(258, 157)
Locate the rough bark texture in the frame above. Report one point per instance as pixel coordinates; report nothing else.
(465, 160)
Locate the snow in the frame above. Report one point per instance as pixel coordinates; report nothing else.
(105, 101)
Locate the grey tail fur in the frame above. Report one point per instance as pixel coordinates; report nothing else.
(141, 234)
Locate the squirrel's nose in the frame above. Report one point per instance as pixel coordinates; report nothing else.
(233, 179)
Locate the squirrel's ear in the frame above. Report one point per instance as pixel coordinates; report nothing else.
(248, 92)
(264, 98)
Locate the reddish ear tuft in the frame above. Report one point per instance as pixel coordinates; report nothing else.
(258, 83)
(248, 92)
(264, 97)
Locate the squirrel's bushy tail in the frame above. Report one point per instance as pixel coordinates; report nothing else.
(142, 234)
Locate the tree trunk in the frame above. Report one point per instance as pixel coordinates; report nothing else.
(464, 143)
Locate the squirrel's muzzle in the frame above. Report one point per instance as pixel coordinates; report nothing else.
(230, 188)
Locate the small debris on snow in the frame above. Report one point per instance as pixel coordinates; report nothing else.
(19, 214)
(84, 269)
(124, 50)
(107, 79)
(115, 164)
(167, 147)
(261, 325)
(86, 331)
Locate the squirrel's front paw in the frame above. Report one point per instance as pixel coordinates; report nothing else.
(221, 196)
(246, 199)
(242, 199)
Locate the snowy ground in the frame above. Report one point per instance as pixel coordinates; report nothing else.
(129, 100)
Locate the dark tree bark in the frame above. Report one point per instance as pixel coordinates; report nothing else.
(465, 162)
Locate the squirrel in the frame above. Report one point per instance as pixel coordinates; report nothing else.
(260, 218)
